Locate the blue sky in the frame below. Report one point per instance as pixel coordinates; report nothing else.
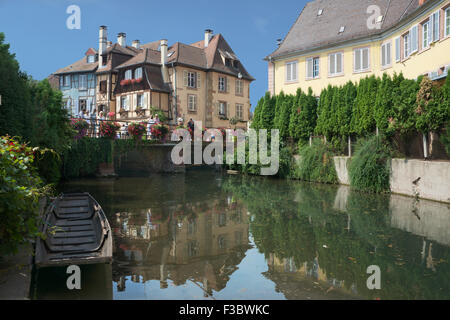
(42, 43)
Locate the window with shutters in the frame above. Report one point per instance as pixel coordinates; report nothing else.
(239, 87)
(239, 111)
(291, 71)
(139, 101)
(192, 103)
(222, 84)
(406, 45)
(82, 82)
(312, 68)
(386, 60)
(397, 49)
(435, 26)
(447, 22)
(426, 33)
(191, 79)
(124, 103)
(361, 60)
(335, 64)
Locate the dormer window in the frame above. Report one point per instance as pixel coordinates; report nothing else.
(342, 29)
(138, 73)
(227, 62)
(91, 58)
(128, 75)
(319, 13)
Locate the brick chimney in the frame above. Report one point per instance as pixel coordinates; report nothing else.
(421, 2)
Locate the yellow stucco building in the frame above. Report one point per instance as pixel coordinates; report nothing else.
(334, 41)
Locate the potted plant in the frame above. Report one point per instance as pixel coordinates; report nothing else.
(137, 130)
(81, 126)
(109, 129)
(159, 131)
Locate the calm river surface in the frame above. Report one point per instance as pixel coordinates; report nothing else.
(204, 235)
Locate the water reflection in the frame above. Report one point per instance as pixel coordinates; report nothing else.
(206, 236)
(332, 234)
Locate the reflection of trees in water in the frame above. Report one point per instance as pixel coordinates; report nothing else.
(299, 221)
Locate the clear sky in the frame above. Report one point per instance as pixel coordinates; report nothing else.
(37, 32)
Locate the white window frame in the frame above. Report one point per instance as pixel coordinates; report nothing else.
(66, 82)
(138, 73)
(239, 87)
(291, 71)
(81, 82)
(224, 104)
(334, 73)
(426, 33)
(128, 75)
(222, 84)
(192, 79)
(362, 60)
(312, 60)
(192, 103)
(91, 58)
(240, 111)
(124, 103)
(406, 45)
(387, 62)
(140, 96)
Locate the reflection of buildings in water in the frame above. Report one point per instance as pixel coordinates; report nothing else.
(306, 281)
(203, 246)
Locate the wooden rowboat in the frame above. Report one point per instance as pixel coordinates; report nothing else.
(76, 232)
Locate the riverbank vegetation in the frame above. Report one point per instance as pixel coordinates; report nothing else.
(377, 114)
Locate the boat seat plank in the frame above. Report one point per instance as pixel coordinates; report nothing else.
(74, 234)
(74, 210)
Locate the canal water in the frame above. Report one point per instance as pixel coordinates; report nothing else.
(204, 235)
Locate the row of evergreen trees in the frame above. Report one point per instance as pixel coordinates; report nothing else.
(389, 104)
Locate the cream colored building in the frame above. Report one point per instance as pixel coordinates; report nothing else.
(335, 41)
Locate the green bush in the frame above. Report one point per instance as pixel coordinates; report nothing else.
(19, 195)
(85, 155)
(316, 164)
(369, 169)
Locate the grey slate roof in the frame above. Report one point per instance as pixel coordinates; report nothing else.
(312, 31)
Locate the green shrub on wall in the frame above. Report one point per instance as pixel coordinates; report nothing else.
(369, 169)
(316, 164)
(85, 155)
